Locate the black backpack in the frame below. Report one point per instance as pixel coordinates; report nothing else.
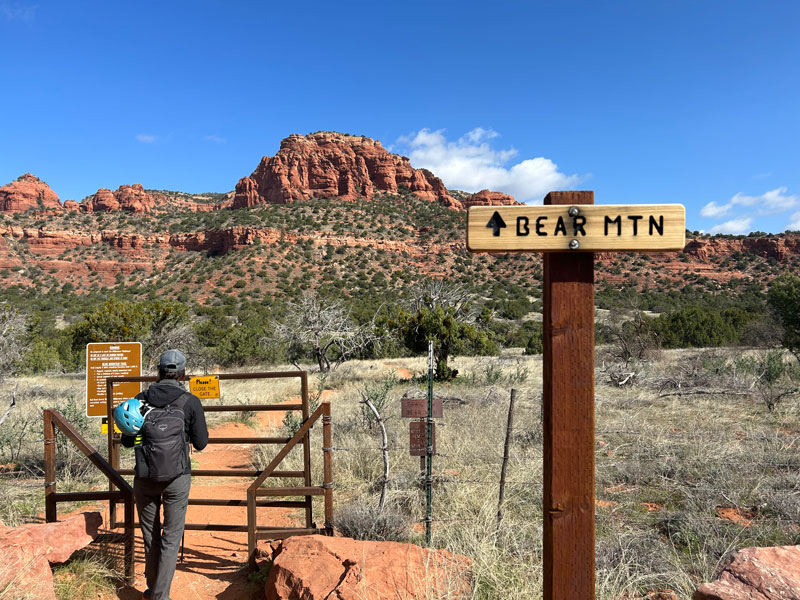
(164, 441)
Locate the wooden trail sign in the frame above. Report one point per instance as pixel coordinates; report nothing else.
(418, 438)
(581, 228)
(568, 357)
(417, 408)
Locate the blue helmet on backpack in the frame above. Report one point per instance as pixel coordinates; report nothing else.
(128, 416)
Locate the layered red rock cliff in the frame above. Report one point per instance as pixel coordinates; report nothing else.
(337, 165)
(768, 247)
(28, 192)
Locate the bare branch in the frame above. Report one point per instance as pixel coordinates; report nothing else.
(432, 292)
(12, 405)
(384, 448)
(322, 325)
(12, 331)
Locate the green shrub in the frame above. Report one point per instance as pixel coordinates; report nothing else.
(694, 327)
(362, 522)
(535, 344)
(784, 298)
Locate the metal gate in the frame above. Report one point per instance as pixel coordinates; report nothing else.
(252, 501)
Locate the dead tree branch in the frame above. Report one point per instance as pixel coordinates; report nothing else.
(384, 448)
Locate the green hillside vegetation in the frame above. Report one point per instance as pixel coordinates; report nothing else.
(377, 253)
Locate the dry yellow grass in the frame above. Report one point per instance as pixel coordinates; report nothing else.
(665, 464)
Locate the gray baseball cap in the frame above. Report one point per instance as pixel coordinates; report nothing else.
(172, 361)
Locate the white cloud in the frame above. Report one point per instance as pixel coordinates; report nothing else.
(736, 226)
(769, 203)
(714, 210)
(18, 10)
(146, 138)
(471, 164)
(794, 223)
(216, 139)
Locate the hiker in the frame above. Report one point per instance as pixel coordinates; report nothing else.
(158, 424)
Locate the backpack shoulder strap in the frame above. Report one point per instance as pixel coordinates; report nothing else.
(181, 400)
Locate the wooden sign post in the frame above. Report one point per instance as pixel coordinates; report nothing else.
(568, 232)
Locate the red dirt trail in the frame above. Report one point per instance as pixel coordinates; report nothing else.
(215, 562)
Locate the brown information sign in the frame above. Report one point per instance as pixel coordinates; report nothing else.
(418, 437)
(417, 408)
(123, 359)
(587, 228)
(205, 388)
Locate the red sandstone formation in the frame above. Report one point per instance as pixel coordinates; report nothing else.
(335, 165)
(27, 192)
(28, 551)
(487, 198)
(318, 567)
(130, 198)
(774, 247)
(757, 574)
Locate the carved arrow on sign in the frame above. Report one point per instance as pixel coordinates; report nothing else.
(496, 223)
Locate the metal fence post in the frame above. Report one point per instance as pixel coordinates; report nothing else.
(327, 471)
(429, 451)
(51, 510)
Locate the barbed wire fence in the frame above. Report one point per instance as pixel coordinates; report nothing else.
(30, 476)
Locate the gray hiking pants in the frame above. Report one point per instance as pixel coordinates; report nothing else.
(161, 545)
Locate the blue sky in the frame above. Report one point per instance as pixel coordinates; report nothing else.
(642, 102)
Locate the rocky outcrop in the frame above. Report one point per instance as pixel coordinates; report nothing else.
(335, 165)
(26, 193)
(28, 551)
(318, 567)
(768, 247)
(757, 574)
(488, 198)
(129, 198)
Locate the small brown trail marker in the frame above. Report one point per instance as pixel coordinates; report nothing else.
(568, 229)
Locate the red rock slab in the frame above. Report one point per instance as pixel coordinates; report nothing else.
(55, 541)
(318, 567)
(757, 574)
(28, 551)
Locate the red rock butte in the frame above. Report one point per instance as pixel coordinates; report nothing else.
(129, 198)
(346, 167)
(28, 192)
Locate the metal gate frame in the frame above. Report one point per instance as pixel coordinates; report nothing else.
(53, 421)
(302, 437)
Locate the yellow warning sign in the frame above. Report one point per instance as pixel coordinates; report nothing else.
(205, 387)
(104, 428)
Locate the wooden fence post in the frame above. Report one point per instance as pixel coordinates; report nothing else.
(509, 428)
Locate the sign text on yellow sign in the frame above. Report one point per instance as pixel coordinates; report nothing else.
(205, 387)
